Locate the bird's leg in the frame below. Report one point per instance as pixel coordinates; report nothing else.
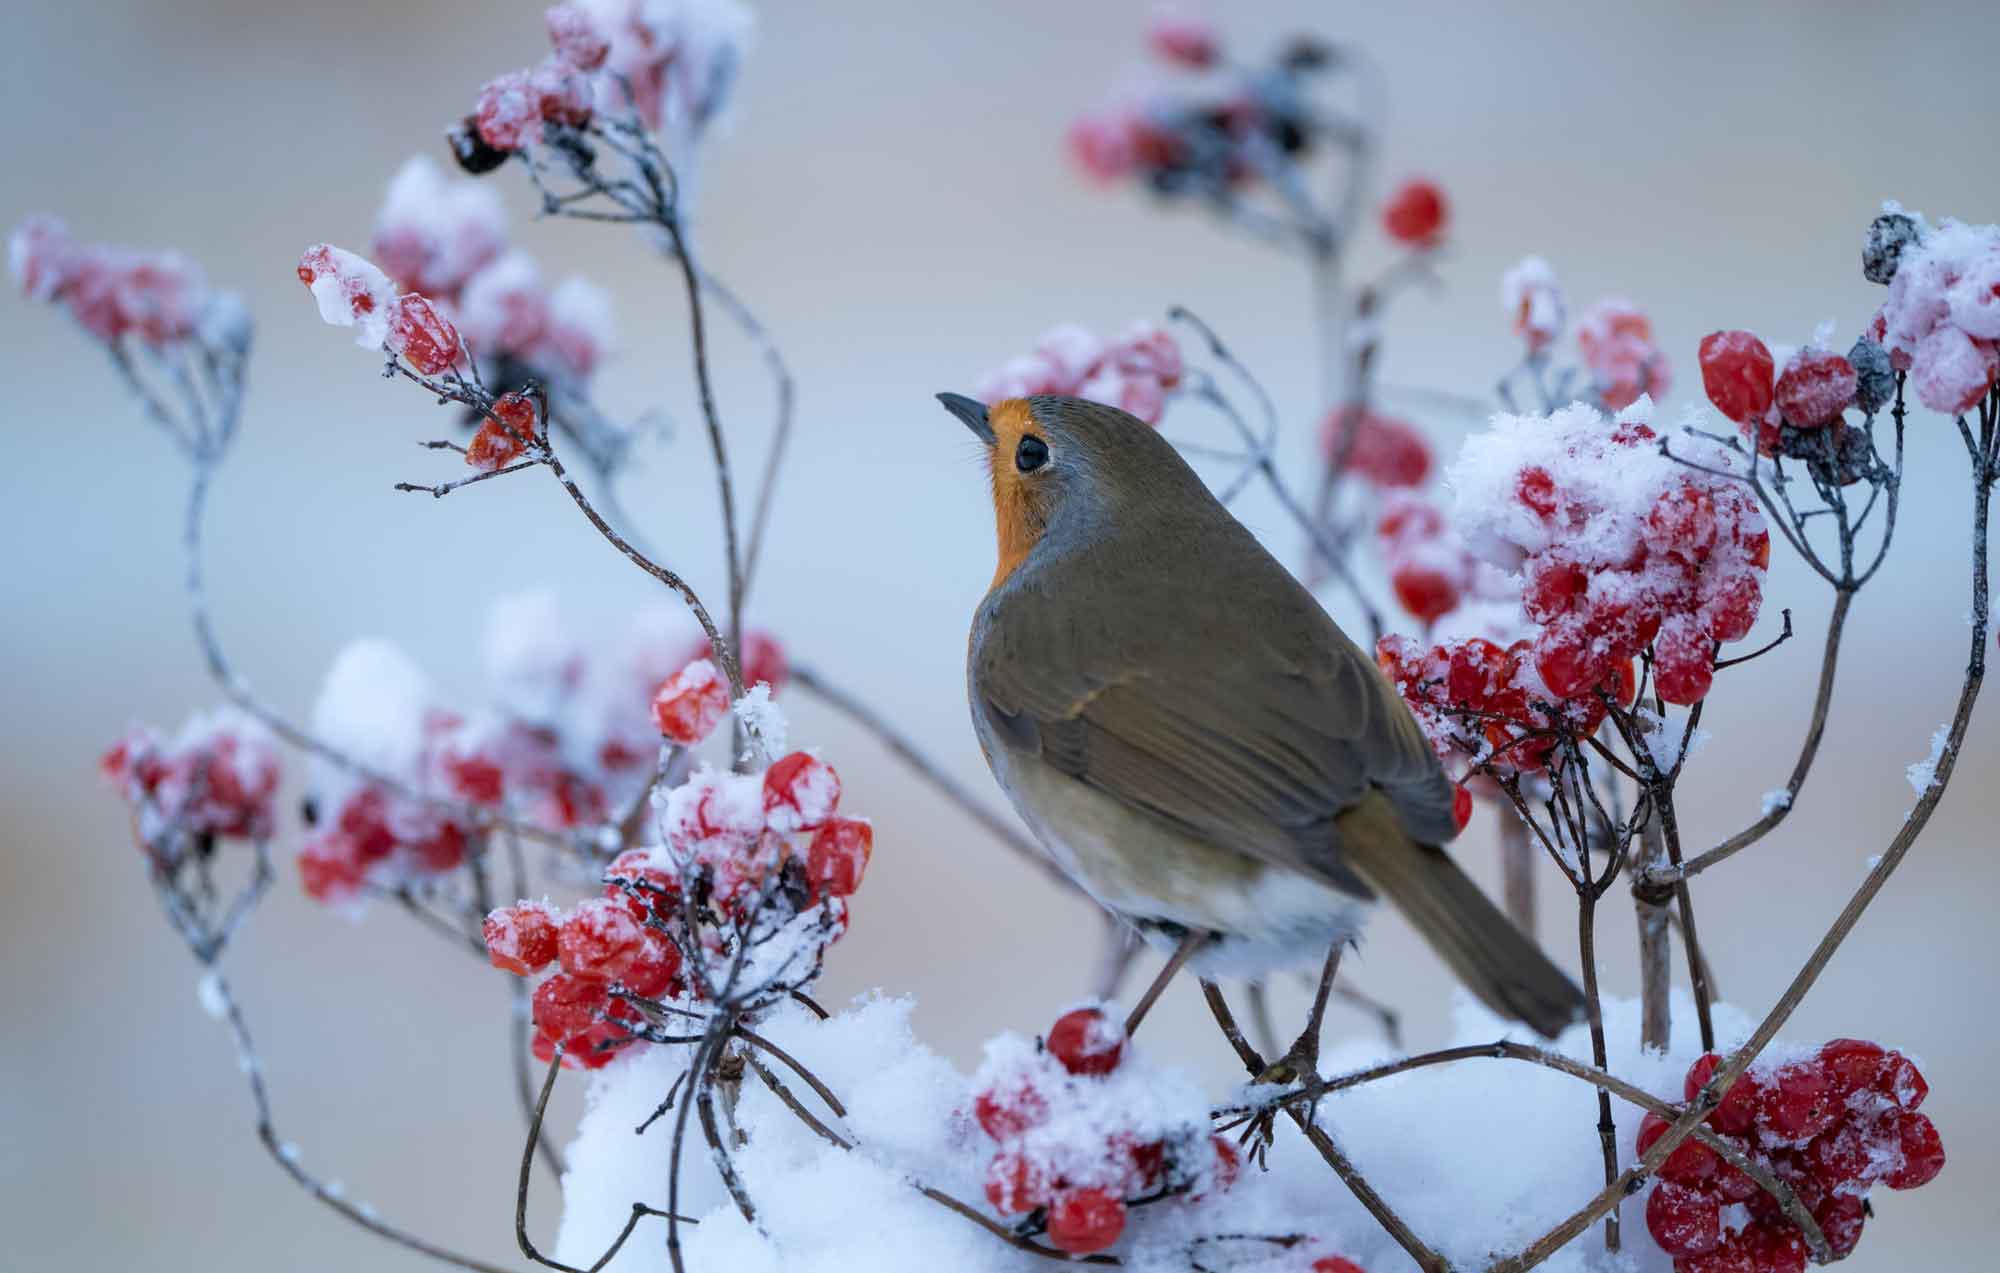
(1189, 944)
(1301, 1062)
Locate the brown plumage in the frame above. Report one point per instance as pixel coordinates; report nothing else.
(1190, 735)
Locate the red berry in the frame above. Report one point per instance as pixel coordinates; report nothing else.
(1683, 661)
(1184, 41)
(652, 972)
(838, 854)
(1085, 1221)
(1923, 1153)
(1691, 1163)
(1147, 1161)
(1006, 1114)
(1817, 385)
(1776, 1247)
(1336, 1264)
(474, 777)
(1426, 592)
(1737, 1254)
(1736, 370)
(1682, 523)
(1683, 1221)
(1227, 1163)
(762, 657)
(644, 889)
(1012, 1183)
(425, 338)
(1087, 1042)
(800, 791)
(1461, 807)
(1851, 1065)
(1840, 1218)
(364, 820)
(565, 1006)
(1797, 1104)
(508, 429)
(1737, 1113)
(1415, 214)
(1901, 1082)
(329, 869)
(599, 939)
(1537, 490)
(689, 707)
(1384, 451)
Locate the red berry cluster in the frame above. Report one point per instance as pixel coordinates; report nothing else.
(1133, 373)
(1415, 214)
(1941, 320)
(218, 778)
(1786, 411)
(1616, 342)
(734, 841)
(1484, 704)
(111, 291)
(1831, 1126)
(1383, 451)
(1621, 549)
(376, 837)
(1079, 1136)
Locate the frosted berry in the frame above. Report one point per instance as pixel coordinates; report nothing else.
(565, 1006)
(1817, 385)
(652, 970)
(1692, 1163)
(574, 36)
(1797, 1104)
(599, 939)
(1901, 1082)
(800, 792)
(1738, 375)
(689, 707)
(424, 337)
(1012, 1183)
(1087, 1042)
(1874, 376)
(1383, 451)
(1841, 1217)
(1683, 1221)
(1415, 214)
(1005, 1114)
(520, 939)
(1888, 236)
(508, 114)
(837, 856)
(1336, 1264)
(1085, 1221)
(1922, 1150)
(645, 889)
(1461, 807)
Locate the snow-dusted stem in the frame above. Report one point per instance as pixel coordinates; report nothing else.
(1656, 1024)
(1670, 837)
(1586, 940)
(698, 324)
(1733, 1066)
(1664, 873)
(1517, 872)
(781, 435)
(287, 1157)
(1364, 1193)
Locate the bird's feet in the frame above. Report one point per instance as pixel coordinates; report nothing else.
(1299, 1065)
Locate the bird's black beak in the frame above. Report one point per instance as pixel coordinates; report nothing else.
(971, 412)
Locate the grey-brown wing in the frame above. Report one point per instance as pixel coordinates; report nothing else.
(1259, 751)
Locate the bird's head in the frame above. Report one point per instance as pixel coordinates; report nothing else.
(1066, 466)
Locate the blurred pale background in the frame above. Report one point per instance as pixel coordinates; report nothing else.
(893, 198)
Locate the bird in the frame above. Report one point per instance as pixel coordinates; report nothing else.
(1191, 737)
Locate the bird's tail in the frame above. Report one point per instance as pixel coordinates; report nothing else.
(1494, 959)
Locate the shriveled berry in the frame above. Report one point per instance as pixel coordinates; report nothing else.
(470, 150)
(1902, 1082)
(1840, 1218)
(1888, 235)
(425, 338)
(1087, 1042)
(1874, 376)
(1085, 1221)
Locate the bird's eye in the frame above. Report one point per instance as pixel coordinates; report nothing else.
(1031, 454)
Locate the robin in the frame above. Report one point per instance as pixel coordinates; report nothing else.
(1192, 738)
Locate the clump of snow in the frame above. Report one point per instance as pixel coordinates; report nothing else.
(433, 231)
(1923, 774)
(533, 660)
(826, 1209)
(1941, 320)
(764, 719)
(350, 291)
(372, 709)
(1530, 295)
